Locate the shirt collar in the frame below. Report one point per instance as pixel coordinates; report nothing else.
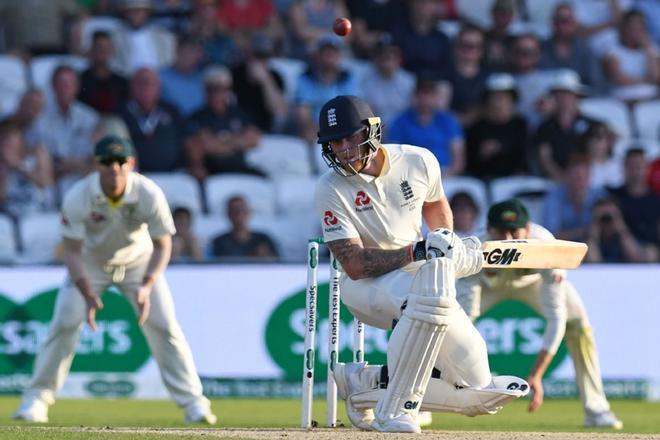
(130, 194)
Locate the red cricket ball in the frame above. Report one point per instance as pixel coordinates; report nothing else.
(342, 26)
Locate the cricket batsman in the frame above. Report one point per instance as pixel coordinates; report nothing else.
(371, 203)
(550, 294)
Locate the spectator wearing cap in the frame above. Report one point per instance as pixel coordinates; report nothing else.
(385, 85)
(102, 88)
(632, 62)
(567, 207)
(182, 83)
(467, 74)
(323, 80)
(559, 133)
(259, 89)
(139, 43)
(427, 124)
(372, 20)
(154, 125)
(220, 133)
(496, 143)
(426, 49)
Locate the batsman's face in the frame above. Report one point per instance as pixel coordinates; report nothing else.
(508, 234)
(350, 150)
(114, 174)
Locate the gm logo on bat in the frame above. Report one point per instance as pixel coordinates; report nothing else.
(502, 257)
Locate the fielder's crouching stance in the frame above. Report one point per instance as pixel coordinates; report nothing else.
(372, 209)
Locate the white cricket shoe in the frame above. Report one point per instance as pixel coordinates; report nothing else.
(425, 418)
(605, 419)
(403, 423)
(32, 410)
(352, 378)
(199, 413)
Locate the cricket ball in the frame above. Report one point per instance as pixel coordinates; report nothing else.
(342, 26)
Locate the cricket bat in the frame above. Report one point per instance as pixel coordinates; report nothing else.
(533, 254)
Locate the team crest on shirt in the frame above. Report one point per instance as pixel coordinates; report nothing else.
(362, 202)
(409, 198)
(96, 217)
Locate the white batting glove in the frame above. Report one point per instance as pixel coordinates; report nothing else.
(442, 242)
(471, 260)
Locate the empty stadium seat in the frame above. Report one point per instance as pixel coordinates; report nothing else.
(529, 189)
(609, 110)
(474, 187)
(280, 155)
(207, 227)
(295, 195)
(289, 233)
(289, 69)
(43, 66)
(94, 24)
(7, 240)
(40, 234)
(13, 83)
(647, 119)
(180, 190)
(257, 191)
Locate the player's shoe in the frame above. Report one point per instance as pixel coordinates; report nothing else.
(199, 413)
(403, 423)
(425, 418)
(605, 419)
(32, 410)
(352, 378)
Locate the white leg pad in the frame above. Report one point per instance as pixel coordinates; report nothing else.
(415, 342)
(443, 397)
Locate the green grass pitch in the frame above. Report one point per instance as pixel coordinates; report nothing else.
(554, 415)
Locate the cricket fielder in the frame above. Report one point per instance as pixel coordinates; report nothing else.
(371, 204)
(117, 230)
(550, 294)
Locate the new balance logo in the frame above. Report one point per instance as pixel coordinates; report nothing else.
(502, 257)
(410, 404)
(406, 190)
(332, 117)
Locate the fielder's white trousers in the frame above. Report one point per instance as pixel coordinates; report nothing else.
(463, 359)
(162, 331)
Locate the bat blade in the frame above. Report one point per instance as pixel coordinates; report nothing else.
(533, 254)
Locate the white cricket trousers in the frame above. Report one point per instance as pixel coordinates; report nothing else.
(463, 358)
(164, 336)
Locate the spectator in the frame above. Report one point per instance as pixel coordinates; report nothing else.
(639, 205)
(219, 47)
(155, 126)
(598, 143)
(498, 39)
(567, 207)
(565, 49)
(323, 80)
(241, 241)
(598, 21)
(426, 49)
(68, 128)
(220, 133)
(185, 244)
(385, 85)
(651, 12)
(373, 20)
(139, 43)
(26, 176)
(610, 240)
(426, 124)
(101, 88)
(27, 118)
(467, 75)
(182, 83)
(308, 22)
(559, 133)
(466, 214)
(242, 18)
(496, 143)
(654, 176)
(632, 63)
(259, 89)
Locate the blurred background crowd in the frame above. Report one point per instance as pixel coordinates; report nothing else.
(555, 102)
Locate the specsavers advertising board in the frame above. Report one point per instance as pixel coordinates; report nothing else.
(245, 325)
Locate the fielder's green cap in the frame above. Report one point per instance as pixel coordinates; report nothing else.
(113, 147)
(509, 214)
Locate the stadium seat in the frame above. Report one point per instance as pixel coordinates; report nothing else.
(94, 24)
(13, 83)
(180, 190)
(610, 111)
(206, 227)
(471, 185)
(43, 66)
(258, 191)
(7, 240)
(529, 189)
(290, 69)
(290, 234)
(295, 195)
(647, 119)
(40, 234)
(280, 155)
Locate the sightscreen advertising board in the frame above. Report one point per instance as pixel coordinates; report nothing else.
(245, 326)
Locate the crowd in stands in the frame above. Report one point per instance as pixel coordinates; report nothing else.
(556, 102)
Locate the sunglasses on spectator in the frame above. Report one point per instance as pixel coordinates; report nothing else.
(108, 161)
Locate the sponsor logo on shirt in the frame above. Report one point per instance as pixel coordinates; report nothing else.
(362, 202)
(64, 220)
(330, 220)
(96, 217)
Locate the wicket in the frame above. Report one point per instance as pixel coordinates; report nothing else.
(334, 302)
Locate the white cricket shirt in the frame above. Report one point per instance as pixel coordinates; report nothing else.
(384, 211)
(116, 233)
